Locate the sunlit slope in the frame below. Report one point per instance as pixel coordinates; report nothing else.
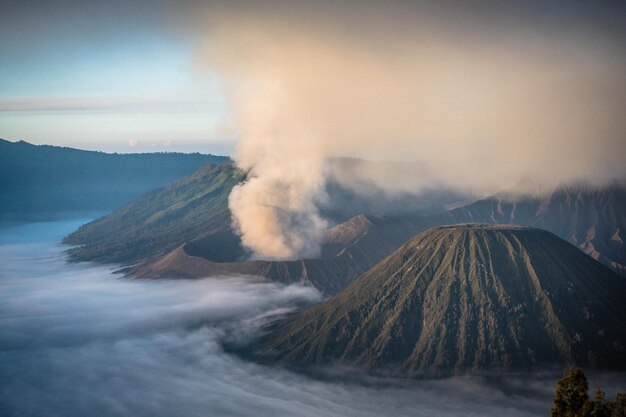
(467, 297)
(161, 220)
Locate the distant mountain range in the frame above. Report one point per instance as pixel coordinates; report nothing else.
(37, 179)
(191, 218)
(183, 230)
(467, 297)
(190, 206)
(591, 217)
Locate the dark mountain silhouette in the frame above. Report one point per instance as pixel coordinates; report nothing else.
(467, 297)
(37, 179)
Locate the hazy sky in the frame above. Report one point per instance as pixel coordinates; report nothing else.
(122, 76)
(105, 76)
(494, 95)
(515, 96)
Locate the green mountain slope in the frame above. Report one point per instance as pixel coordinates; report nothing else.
(589, 217)
(463, 298)
(161, 220)
(37, 179)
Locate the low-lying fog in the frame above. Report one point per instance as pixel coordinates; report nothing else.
(77, 340)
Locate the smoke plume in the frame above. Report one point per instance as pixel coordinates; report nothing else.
(486, 103)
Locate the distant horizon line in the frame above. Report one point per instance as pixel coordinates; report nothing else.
(130, 152)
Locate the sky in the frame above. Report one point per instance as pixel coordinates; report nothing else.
(108, 76)
(124, 76)
(492, 96)
(486, 96)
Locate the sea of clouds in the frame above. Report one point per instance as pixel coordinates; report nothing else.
(79, 340)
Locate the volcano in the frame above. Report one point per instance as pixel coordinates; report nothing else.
(467, 297)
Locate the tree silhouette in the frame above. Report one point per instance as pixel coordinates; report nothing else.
(618, 406)
(571, 395)
(571, 398)
(599, 407)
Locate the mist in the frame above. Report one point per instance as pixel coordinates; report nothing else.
(488, 98)
(76, 340)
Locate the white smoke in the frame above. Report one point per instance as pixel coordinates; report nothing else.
(486, 108)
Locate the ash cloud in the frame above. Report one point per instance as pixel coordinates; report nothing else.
(77, 340)
(488, 97)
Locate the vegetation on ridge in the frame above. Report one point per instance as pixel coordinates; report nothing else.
(571, 398)
(161, 220)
